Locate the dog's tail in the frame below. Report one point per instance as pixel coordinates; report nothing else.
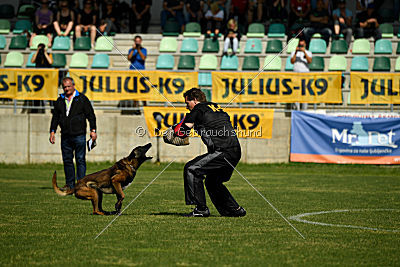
(58, 190)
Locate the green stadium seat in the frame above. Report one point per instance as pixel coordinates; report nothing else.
(359, 63)
(317, 64)
(39, 39)
(14, 59)
(165, 61)
(104, 43)
(4, 26)
(317, 35)
(101, 61)
(61, 43)
(59, 60)
(229, 63)
(3, 42)
(397, 66)
(210, 46)
(274, 46)
(292, 44)
(29, 63)
(18, 42)
(22, 25)
(383, 46)
(272, 62)
(361, 46)
(208, 62)
(381, 64)
(186, 62)
(253, 46)
(79, 60)
(82, 43)
(26, 12)
(317, 46)
(387, 30)
(171, 28)
(398, 48)
(256, 30)
(168, 44)
(339, 47)
(251, 63)
(6, 11)
(189, 45)
(192, 29)
(205, 79)
(289, 65)
(276, 30)
(337, 63)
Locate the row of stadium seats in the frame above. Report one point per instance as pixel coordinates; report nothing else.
(24, 12)
(78, 60)
(255, 30)
(272, 63)
(61, 43)
(210, 62)
(254, 46)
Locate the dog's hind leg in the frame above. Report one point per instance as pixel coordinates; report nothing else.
(90, 194)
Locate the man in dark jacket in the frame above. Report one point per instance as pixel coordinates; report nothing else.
(70, 112)
(224, 152)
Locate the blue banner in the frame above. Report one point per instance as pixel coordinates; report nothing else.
(337, 139)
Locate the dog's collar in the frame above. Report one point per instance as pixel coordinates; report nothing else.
(133, 168)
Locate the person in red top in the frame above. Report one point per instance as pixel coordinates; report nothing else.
(299, 10)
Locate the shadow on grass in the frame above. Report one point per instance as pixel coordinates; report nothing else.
(45, 187)
(175, 214)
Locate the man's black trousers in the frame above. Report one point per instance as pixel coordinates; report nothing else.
(215, 169)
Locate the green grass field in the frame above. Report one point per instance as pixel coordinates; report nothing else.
(38, 227)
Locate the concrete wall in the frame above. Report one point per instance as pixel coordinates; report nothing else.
(25, 139)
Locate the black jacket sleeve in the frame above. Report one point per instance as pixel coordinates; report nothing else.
(89, 113)
(55, 120)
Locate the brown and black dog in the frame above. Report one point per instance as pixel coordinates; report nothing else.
(109, 181)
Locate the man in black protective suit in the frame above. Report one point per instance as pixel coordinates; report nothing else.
(213, 125)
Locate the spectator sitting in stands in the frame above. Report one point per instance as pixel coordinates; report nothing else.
(240, 11)
(42, 59)
(368, 25)
(319, 23)
(194, 9)
(256, 11)
(86, 22)
(343, 20)
(298, 17)
(327, 5)
(232, 37)
(64, 19)
(140, 12)
(173, 9)
(109, 18)
(300, 58)
(277, 10)
(43, 22)
(214, 18)
(137, 54)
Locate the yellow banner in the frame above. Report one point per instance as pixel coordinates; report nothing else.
(277, 87)
(248, 122)
(374, 88)
(131, 85)
(29, 84)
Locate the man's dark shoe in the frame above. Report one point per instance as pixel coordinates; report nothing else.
(240, 212)
(198, 213)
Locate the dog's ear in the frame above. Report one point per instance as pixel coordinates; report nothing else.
(132, 155)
